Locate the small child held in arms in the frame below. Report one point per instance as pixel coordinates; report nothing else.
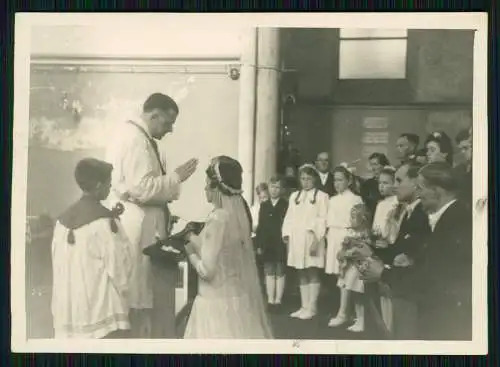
(91, 262)
(356, 249)
(269, 238)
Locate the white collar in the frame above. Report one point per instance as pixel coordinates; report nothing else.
(323, 177)
(393, 199)
(434, 217)
(411, 207)
(274, 201)
(346, 192)
(141, 123)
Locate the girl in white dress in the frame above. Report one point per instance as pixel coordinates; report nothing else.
(338, 224)
(304, 230)
(356, 248)
(229, 304)
(91, 262)
(339, 216)
(385, 229)
(381, 221)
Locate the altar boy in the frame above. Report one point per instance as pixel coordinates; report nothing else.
(91, 262)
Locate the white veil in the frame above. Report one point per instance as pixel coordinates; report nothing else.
(240, 221)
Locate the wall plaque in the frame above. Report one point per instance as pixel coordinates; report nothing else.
(375, 137)
(375, 122)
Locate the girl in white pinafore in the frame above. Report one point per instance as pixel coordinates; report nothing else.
(304, 230)
(339, 216)
(385, 228)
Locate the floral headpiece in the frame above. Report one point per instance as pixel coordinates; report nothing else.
(347, 167)
(226, 172)
(308, 165)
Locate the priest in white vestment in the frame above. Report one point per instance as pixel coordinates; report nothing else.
(142, 184)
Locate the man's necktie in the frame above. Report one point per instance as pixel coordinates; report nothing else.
(399, 211)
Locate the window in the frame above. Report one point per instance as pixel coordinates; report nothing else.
(372, 53)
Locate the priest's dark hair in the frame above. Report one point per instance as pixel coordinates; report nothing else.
(90, 172)
(160, 101)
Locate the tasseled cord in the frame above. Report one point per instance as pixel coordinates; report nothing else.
(71, 237)
(117, 210)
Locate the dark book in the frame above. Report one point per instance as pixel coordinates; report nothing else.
(193, 227)
(171, 251)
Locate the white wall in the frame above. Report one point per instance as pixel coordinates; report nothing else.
(207, 125)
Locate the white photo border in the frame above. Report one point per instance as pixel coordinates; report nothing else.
(476, 21)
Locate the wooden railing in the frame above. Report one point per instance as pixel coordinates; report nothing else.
(191, 289)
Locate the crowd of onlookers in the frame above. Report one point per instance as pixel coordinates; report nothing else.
(396, 247)
(401, 239)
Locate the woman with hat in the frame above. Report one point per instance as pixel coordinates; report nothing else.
(229, 304)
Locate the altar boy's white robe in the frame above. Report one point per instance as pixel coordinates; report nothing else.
(91, 273)
(138, 183)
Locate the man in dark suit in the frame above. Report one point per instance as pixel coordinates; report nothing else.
(446, 268)
(407, 249)
(326, 177)
(407, 146)
(442, 271)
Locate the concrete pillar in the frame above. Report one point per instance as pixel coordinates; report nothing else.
(246, 130)
(268, 98)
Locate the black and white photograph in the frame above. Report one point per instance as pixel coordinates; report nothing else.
(315, 183)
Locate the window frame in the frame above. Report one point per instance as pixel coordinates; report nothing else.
(372, 38)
